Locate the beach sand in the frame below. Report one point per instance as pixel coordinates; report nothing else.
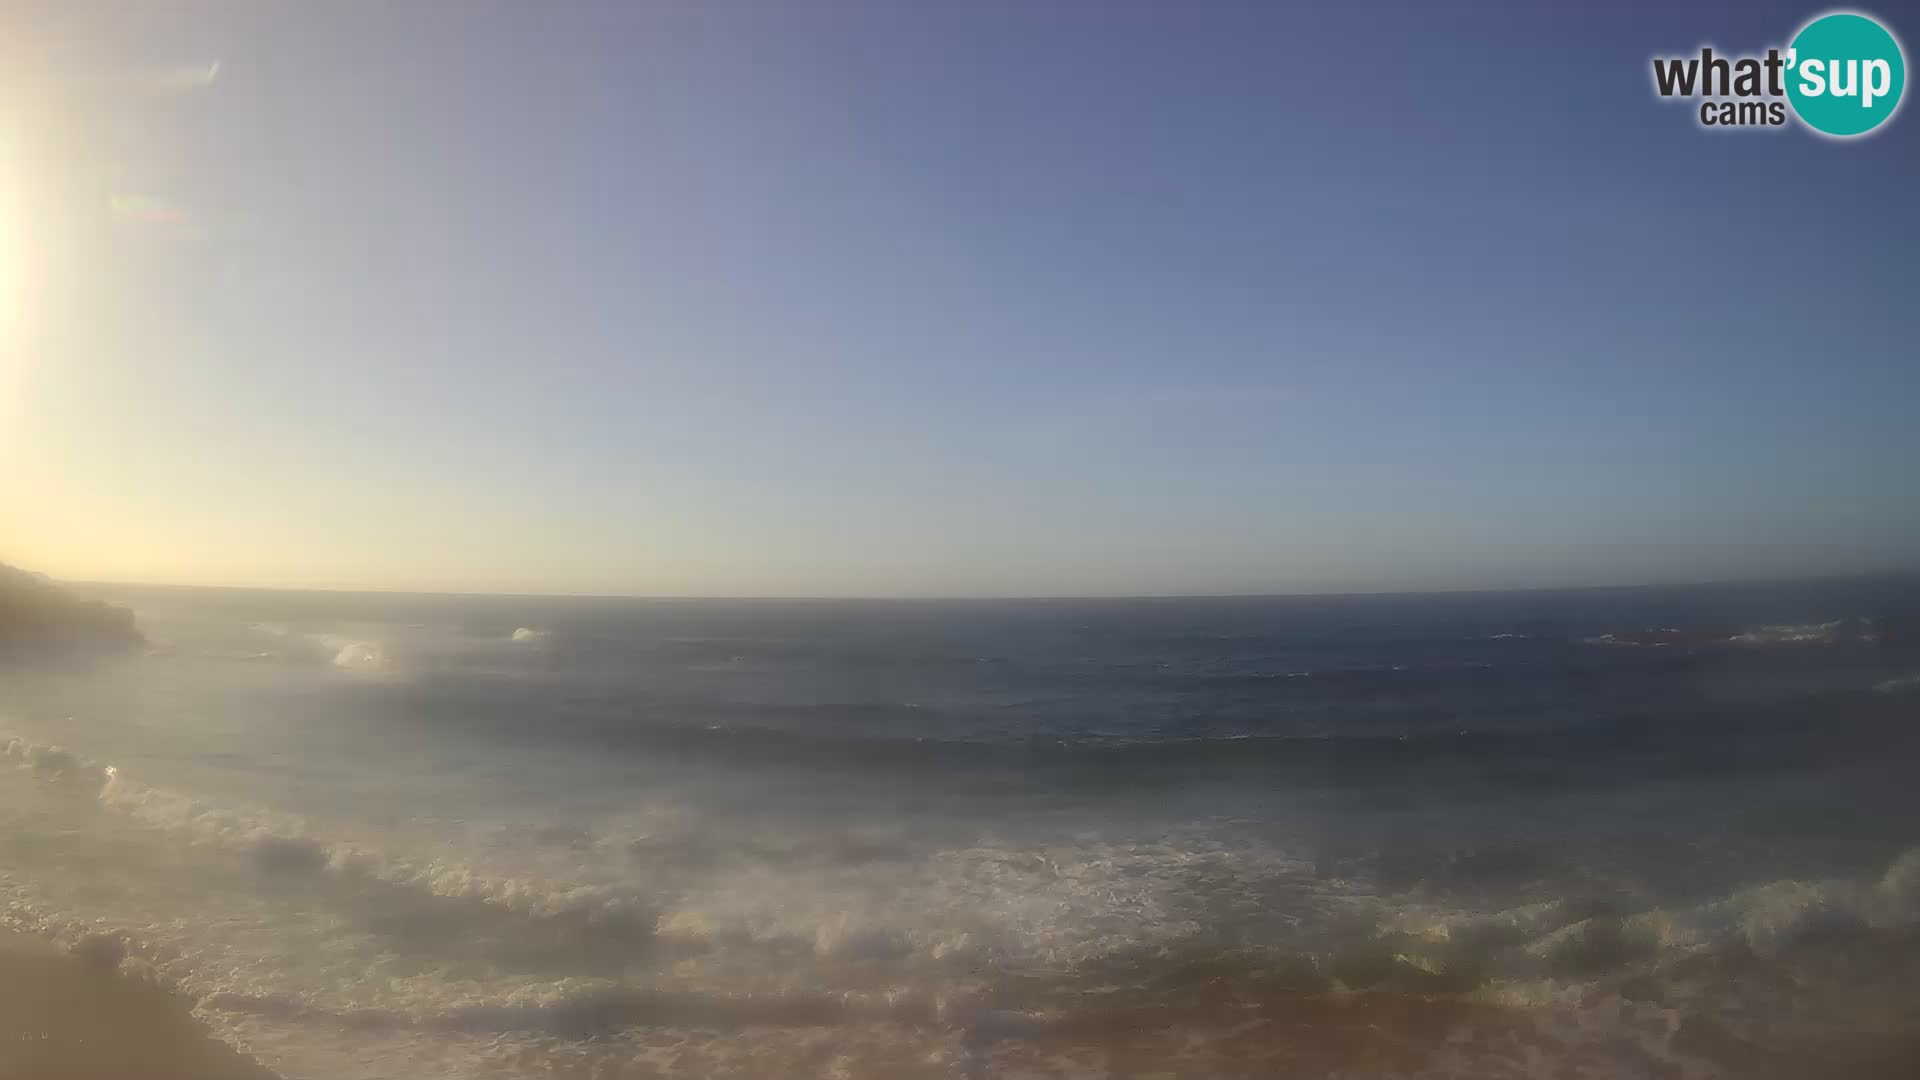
(65, 1017)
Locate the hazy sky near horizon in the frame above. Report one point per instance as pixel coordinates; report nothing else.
(824, 298)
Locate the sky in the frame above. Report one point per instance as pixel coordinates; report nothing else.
(996, 298)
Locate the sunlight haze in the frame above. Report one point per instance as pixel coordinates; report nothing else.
(841, 300)
(957, 540)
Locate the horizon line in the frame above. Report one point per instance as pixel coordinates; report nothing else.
(1008, 597)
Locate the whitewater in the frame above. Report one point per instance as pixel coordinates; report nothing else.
(1603, 832)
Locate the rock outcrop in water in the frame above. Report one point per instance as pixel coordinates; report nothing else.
(36, 613)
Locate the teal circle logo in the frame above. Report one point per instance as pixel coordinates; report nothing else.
(1845, 74)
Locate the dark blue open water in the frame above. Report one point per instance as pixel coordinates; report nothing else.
(1610, 832)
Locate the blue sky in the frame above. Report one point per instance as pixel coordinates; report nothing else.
(909, 299)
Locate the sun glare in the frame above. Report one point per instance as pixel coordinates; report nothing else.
(14, 249)
(10, 244)
(16, 258)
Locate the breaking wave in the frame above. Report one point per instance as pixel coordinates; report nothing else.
(1902, 684)
(995, 942)
(283, 843)
(344, 651)
(361, 656)
(456, 837)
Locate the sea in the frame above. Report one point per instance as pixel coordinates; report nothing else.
(1664, 832)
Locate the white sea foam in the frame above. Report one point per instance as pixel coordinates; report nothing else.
(1804, 634)
(354, 882)
(286, 939)
(358, 655)
(1004, 904)
(347, 651)
(45, 762)
(279, 841)
(1900, 685)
